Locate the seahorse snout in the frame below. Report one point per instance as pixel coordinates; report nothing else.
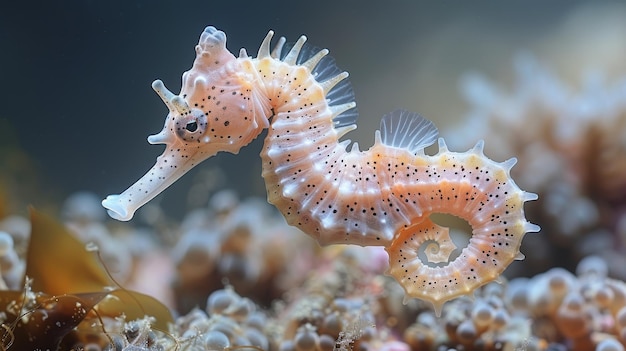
(169, 167)
(115, 209)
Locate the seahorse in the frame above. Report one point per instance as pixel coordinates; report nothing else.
(383, 196)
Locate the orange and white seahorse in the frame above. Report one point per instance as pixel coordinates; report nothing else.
(382, 196)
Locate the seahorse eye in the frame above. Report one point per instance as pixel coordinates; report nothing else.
(192, 126)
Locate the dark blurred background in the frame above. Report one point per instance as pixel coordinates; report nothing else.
(75, 75)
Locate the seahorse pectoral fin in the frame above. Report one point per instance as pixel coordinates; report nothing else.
(169, 167)
(407, 130)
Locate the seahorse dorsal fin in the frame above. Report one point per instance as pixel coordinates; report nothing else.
(407, 130)
(326, 72)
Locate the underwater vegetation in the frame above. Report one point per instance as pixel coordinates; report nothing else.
(63, 287)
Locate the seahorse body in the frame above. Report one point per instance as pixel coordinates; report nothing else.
(382, 196)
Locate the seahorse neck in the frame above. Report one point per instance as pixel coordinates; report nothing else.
(309, 175)
(302, 141)
(302, 119)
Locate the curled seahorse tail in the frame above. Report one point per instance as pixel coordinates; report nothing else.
(479, 190)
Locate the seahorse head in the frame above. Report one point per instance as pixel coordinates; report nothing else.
(220, 108)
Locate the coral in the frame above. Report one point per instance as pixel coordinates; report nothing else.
(236, 243)
(14, 236)
(578, 312)
(135, 335)
(228, 321)
(11, 268)
(335, 298)
(337, 307)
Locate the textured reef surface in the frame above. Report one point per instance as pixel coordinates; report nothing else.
(237, 276)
